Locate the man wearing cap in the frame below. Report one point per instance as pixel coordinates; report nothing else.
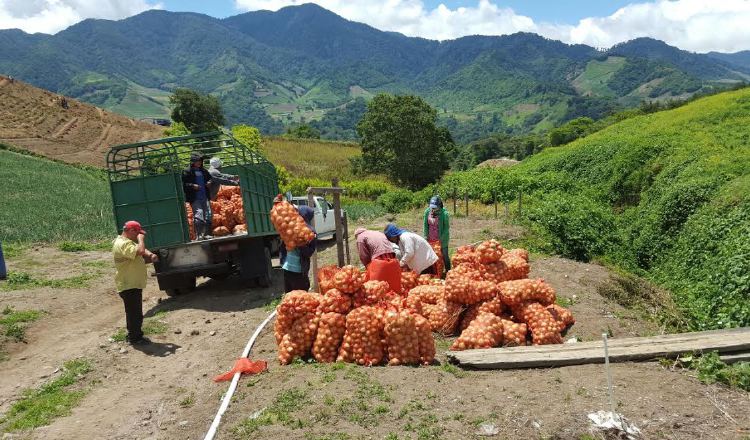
(130, 255)
(196, 182)
(416, 253)
(437, 227)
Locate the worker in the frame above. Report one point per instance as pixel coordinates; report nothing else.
(3, 269)
(437, 227)
(296, 262)
(196, 181)
(416, 252)
(218, 178)
(377, 255)
(130, 255)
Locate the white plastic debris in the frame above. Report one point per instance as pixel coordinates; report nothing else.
(614, 423)
(488, 429)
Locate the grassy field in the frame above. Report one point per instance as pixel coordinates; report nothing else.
(594, 79)
(141, 102)
(310, 158)
(48, 201)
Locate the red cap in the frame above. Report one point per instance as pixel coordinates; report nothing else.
(132, 224)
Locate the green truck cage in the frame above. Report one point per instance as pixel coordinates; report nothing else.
(146, 185)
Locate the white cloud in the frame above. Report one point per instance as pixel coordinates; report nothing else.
(697, 25)
(51, 16)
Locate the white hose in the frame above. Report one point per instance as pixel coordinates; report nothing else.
(233, 386)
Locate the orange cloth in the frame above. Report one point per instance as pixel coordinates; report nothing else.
(244, 366)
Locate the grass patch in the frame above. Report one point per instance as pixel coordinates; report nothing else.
(643, 297)
(272, 304)
(98, 264)
(280, 412)
(711, 369)
(151, 326)
(452, 369)
(12, 251)
(84, 246)
(187, 401)
(38, 407)
(23, 280)
(14, 322)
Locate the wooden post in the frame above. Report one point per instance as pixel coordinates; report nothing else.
(455, 209)
(519, 203)
(507, 209)
(466, 200)
(346, 237)
(337, 220)
(311, 204)
(494, 200)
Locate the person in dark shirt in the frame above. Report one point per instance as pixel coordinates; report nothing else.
(196, 181)
(296, 262)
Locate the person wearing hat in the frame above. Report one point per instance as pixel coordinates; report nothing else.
(295, 263)
(218, 178)
(377, 255)
(437, 227)
(130, 255)
(416, 252)
(196, 182)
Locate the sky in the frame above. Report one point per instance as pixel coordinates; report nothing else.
(695, 25)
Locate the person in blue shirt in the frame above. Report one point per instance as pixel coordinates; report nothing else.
(196, 181)
(296, 262)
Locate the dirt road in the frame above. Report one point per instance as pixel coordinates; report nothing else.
(164, 390)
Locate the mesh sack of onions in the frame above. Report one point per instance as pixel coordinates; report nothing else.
(514, 333)
(331, 328)
(297, 339)
(543, 326)
(375, 291)
(413, 303)
(517, 267)
(562, 315)
(440, 263)
(348, 279)
(428, 293)
(191, 228)
(496, 272)
(221, 231)
(425, 340)
(465, 254)
(325, 277)
(493, 305)
(489, 251)
(335, 301)
(444, 316)
(363, 339)
(297, 303)
(424, 279)
(408, 281)
(290, 225)
(240, 229)
(515, 292)
(521, 253)
(464, 288)
(401, 338)
(485, 331)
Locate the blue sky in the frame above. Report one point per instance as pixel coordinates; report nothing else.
(696, 25)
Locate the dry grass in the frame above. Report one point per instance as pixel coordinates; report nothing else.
(311, 158)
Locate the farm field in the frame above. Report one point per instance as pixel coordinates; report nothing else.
(164, 390)
(311, 158)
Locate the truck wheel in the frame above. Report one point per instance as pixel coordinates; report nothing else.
(175, 285)
(265, 279)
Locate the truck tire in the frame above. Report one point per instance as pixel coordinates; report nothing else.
(265, 279)
(174, 285)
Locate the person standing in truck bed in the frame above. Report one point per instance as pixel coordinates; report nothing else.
(196, 182)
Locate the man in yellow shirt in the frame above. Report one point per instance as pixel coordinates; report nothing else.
(131, 255)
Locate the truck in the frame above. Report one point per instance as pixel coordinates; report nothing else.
(145, 181)
(325, 223)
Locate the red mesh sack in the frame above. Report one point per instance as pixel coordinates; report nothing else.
(189, 214)
(331, 328)
(515, 292)
(290, 225)
(363, 339)
(489, 251)
(401, 338)
(348, 279)
(486, 331)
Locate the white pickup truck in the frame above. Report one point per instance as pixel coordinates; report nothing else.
(325, 223)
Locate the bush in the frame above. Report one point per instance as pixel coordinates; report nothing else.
(578, 227)
(358, 209)
(396, 201)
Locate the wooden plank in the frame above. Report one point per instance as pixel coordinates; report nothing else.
(620, 350)
(311, 203)
(325, 190)
(337, 222)
(731, 358)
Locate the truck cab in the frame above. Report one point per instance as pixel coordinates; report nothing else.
(325, 223)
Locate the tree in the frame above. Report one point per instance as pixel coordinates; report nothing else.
(571, 131)
(199, 113)
(248, 136)
(400, 139)
(303, 131)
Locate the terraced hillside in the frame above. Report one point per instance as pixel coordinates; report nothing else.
(34, 119)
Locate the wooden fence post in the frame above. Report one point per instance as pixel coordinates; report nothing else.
(311, 204)
(519, 203)
(346, 237)
(455, 194)
(494, 201)
(466, 200)
(337, 221)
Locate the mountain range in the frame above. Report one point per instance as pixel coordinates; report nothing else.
(305, 64)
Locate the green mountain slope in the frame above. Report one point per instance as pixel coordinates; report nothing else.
(666, 194)
(272, 69)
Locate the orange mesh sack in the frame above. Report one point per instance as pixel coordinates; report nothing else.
(514, 333)
(240, 229)
(331, 328)
(408, 281)
(496, 272)
(444, 316)
(489, 251)
(428, 293)
(221, 231)
(297, 340)
(542, 325)
(348, 279)
(465, 254)
(290, 225)
(463, 287)
(440, 263)
(363, 339)
(517, 267)
(189, 214)
(375, 291)
(521, 253)
(325, 277)
(335, 301)
(562, 315)
(424, 280)
(486, 331)
(426, 341)
(494, 306)
(401, 338)
(513, 293)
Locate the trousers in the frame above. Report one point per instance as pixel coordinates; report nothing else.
(133, 300)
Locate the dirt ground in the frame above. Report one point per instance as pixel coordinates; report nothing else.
(164, 390)
(33, 119)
